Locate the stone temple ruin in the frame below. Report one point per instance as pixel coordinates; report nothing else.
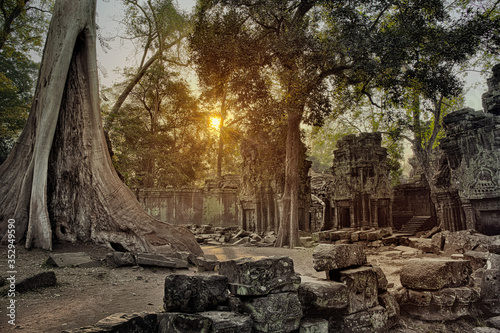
(357, 194)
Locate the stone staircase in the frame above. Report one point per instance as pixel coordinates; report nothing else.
(414, 225)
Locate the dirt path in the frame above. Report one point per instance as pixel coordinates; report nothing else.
(83, 296)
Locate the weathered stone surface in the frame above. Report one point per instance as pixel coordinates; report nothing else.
(373, 320)
(248, 277)
(434, 274)
(190, 294)
(153, 259)
(490, 292)
(493, 322)
(381, 278)
(462, 241)
(320, 297)
(75, 259)
(209, 321)
(274, 313)
(485, 330)
(119, 259)
(477, 259)
(441, 305)
(40, 280)
(122, 323)
(206, 263)
(390, 304)
(313, 325)
(494, 247)
(328, 256)
(361, 284)
(493, 261)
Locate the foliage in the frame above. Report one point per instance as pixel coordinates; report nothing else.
(22, 30)
(160, 137)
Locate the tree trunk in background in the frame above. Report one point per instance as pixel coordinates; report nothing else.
(288, 232)
(58, 182)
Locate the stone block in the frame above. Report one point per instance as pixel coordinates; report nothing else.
(493, 261)
(274, 313)
(72, 259)
(209, 321)
(476, 258)
(391, 305)
(373, 235)
(336, 256)
(373, 320)
(248, 277)
(40, 280)
(447, 304)
(435, 274)
(323, 297)
(381, 278)
(123, 323)
(493, 322)
(119, 259)
(184, 293)
(206, 263)
(494, 247)
(158, 260)
(490, 292)
(362, 287)
(313, 325)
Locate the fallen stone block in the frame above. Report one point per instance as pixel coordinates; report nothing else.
(209, 321)
(119, 259)
(373, 320)
(40, 280)
(362, 287)
(493, 322)
(323, 297)
(206, 263)
(158, 260)
(493, 261)
(490, 292)
(494, 247)
(274, 313)
(335, 256)
(123, 323)
(72, 259)
(435, 274)
(382, 282)
(447, 304)
(313, 325)
(191, 294)
(476, 258)
(248, 277)
(388, 301)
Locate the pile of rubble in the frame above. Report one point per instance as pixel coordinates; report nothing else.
(208, 235)
(266, 295)
(372, 237)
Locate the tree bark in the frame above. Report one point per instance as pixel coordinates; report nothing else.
(288, 232)
(59, 182)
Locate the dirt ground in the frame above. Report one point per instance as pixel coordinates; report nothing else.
(83, 296)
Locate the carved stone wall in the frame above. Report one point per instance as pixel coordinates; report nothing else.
(471, 172)
(360, 193)
(263, 179)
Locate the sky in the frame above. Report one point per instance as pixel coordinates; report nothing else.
(122, 53)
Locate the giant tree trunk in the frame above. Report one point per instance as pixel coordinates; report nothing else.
(58, 182)
(288, 232)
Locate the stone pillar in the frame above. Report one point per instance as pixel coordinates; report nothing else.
(470, 217)
(375, 213)
(351, 211)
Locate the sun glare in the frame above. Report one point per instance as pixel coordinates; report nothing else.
(215, 123)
